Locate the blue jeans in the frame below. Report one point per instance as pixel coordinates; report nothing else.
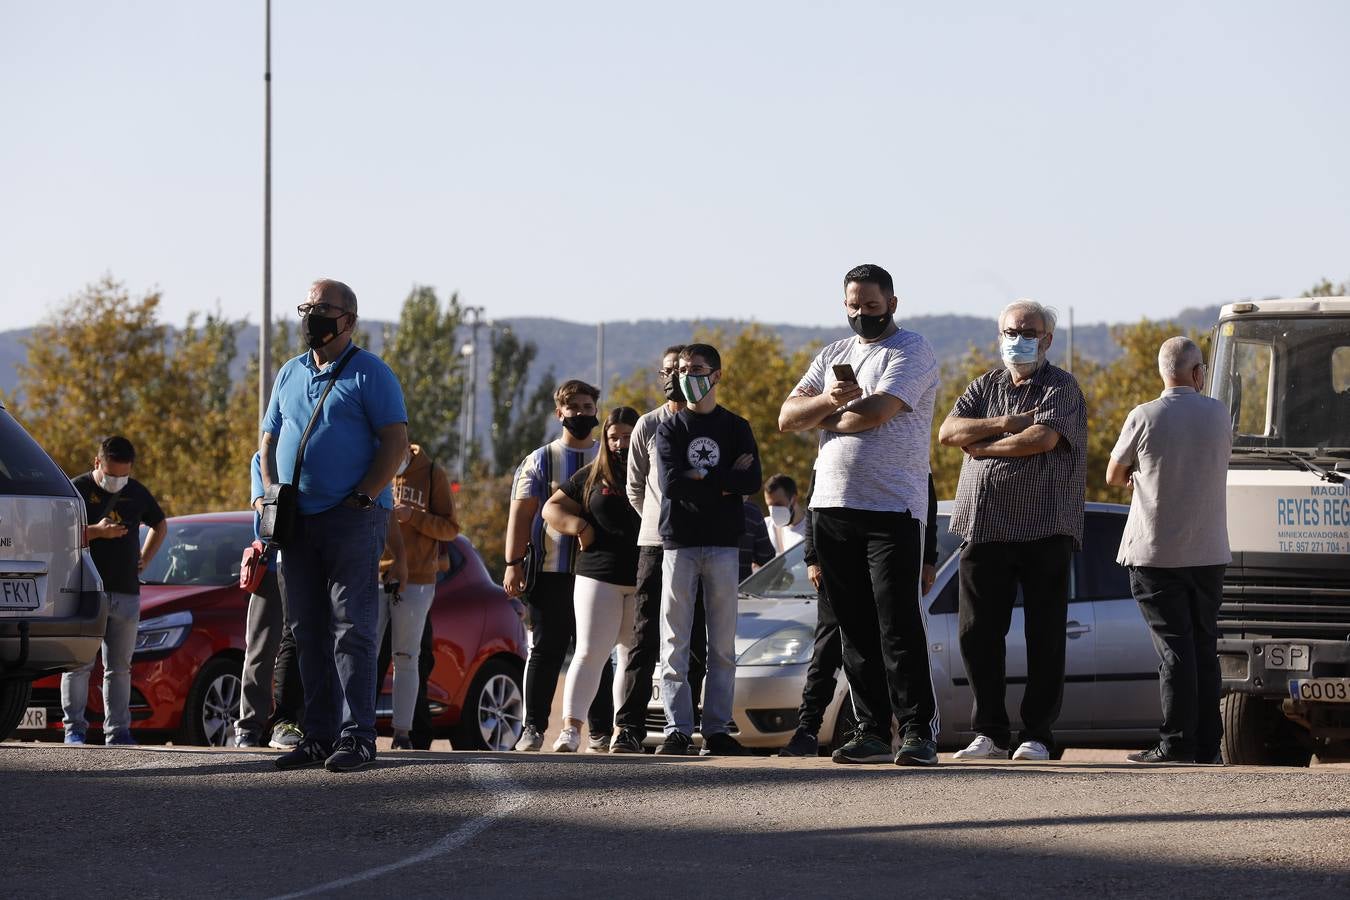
(681, 571)
(119, 642)
(330, 578)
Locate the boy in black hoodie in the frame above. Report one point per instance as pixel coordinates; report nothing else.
(707, 460)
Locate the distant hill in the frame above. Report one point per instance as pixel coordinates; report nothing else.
(569, 348)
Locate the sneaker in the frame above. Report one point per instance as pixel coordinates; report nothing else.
(1156, 755)
(677, 743)
(1206, 760)
(349, 755)
(803, 743)
(597, 743)
(1032, 750)
(568, 740)
(121, 738)
(531, 741)
(75, 737)
(722, 744)
(305, 755)
(626, 741)
(244, 739)
(286, 736)
(982, 748)
(916, 751)
(864, 748)
(401, 742)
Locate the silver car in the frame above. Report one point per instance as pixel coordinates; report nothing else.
(52, 605)
(1111, 668)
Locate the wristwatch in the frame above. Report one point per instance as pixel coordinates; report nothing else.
(358, 500)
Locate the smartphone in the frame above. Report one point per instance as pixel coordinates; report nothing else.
(844, 372)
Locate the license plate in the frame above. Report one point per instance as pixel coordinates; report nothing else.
(19, 594)
(1290, 657)
(34, 719)
(1321, 690)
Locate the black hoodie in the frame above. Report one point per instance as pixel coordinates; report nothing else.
(707, 512)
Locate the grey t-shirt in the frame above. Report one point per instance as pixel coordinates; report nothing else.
(1178, 448)
(885, 468)
(644, 488)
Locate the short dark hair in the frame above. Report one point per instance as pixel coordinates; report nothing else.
(781, 482)
(707, 351)
(870, 273)
(570, 388)
(676, 349)
(117, 449)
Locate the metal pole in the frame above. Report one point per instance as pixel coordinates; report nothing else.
(469, 410)
(265, 326)
(1069, 368)
(600, 355)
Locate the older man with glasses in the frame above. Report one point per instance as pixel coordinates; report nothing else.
(1019, 507)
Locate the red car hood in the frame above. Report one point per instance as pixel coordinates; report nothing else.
(161, 599)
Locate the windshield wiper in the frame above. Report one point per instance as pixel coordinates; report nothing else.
(1294, 457)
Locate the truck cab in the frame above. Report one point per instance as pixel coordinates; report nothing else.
(1282, 367)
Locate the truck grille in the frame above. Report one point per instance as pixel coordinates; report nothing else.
(1286, 595)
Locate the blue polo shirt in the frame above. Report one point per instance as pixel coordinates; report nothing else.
(342, 446)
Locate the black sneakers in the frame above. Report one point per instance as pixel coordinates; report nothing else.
(677, 743)
(350, 755)
(863, 748)
(306, 755)
(722, 744)
(626, 741)
(401, 742)
(803, 743)
(1156, 755)
(916, 751)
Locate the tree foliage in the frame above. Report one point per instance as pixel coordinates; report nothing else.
(424, 354)
(518, 423)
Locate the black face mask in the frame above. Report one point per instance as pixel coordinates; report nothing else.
(319, 330)
(620, 460)
(672, 388)
(869, 328)
(580, 426)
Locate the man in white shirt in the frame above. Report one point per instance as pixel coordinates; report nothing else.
(786, 520)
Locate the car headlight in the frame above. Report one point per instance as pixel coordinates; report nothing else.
(163, 632)
(788, 646)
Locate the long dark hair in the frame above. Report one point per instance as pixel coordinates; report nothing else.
(602, 470)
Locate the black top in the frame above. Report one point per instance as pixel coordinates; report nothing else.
(756, 548)
(612, 556)
(706, 512)
(118, 559)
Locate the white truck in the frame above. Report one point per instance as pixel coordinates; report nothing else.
(1283, 369)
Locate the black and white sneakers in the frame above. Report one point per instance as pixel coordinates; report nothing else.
(349, 755)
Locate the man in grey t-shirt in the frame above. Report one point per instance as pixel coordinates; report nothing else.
(872, 399)
(1173, 453)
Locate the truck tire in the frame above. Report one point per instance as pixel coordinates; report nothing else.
(14, 695)
(1256, 733)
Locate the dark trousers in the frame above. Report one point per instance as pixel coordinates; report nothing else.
(1181, 608)
(420, 734)
(826, 658)
(990, 575)
(288, 693)
(646, 653)
(870, 563)
(553, 627)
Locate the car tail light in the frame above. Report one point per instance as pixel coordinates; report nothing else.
(84, 536)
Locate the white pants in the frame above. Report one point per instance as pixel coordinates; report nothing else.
(405, 620)
(604, 620)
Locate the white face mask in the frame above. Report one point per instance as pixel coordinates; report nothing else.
(403, 466)
(111, 483)
(781, 515)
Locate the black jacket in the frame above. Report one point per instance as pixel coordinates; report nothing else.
(706, 512)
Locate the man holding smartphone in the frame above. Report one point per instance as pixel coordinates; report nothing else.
(870, 497)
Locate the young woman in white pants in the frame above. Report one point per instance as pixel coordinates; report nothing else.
(594, 507)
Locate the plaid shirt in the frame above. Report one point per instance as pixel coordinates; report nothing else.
(1024, 498)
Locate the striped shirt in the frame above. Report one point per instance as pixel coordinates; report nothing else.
(539, 475)
(1024, 498)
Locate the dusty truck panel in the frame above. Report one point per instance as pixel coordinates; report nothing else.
(1283, 369)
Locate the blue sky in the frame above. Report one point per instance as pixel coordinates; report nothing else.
(628, 160)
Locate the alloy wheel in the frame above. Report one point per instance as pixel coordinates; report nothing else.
(501, 710)
(220, 709)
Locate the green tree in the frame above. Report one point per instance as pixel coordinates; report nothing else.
(945, 462)
(1325, 288)
(424, 354)
(519, 423)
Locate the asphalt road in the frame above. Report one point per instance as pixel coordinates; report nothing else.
(167, 822)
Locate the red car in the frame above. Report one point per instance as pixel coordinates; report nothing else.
(185, 674)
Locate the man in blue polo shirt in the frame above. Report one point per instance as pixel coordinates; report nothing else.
(330, 569)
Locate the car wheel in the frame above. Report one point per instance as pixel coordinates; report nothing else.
(213, 704)
(14, 696)
(494, 709)
(1256, 733)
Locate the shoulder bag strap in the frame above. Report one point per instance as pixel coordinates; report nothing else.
(318, 408)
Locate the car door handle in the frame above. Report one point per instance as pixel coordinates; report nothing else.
(1073, 629)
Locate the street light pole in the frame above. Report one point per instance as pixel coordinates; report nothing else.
(265, 326)
(469, 409)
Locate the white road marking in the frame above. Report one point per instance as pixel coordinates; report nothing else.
(494, 782)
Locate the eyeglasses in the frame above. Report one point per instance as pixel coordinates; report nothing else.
(327, 310)
(666, 373)
(695, 370)
(1030, 334)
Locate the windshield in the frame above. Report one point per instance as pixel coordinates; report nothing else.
(24, 468)
(199, 553)
(785, 575)
(1286, 382)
